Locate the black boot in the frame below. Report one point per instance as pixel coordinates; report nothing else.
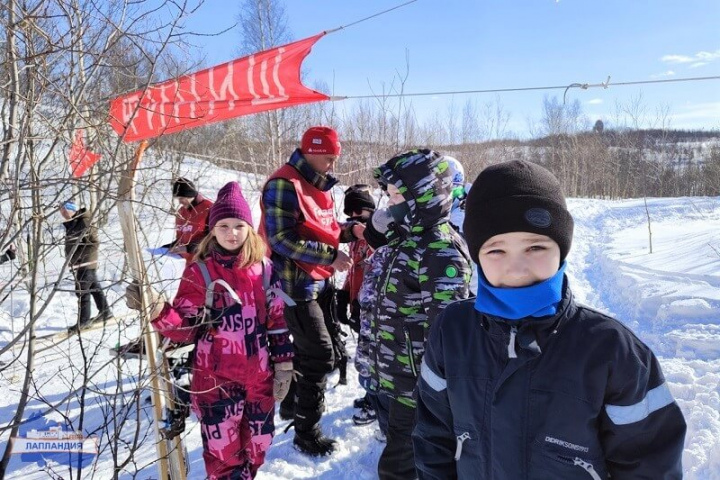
(314, 443)
(342, 367)
(365, 416)
(103, 317)
(362, 402)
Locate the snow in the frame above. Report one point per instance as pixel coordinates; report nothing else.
(670, 298)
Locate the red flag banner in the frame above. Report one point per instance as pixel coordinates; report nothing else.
(263, 81)
(80, 157)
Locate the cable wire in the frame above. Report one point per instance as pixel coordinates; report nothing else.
(583, 86)
(371, 16)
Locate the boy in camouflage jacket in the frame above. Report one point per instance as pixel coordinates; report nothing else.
(428, 268)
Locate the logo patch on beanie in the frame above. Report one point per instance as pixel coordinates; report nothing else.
(538, 217)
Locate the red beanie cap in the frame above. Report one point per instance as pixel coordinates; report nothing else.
(320, 140)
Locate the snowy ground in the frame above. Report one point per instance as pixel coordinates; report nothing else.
(671, 298)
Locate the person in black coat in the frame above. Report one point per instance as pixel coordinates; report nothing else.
(8, 255)
(81, 247)
(523, 383)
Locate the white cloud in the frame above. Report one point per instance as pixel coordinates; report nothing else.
(669, 73)
(677, 59)
(595, 101)
(698, 64)
(708, 56)
(696, 60)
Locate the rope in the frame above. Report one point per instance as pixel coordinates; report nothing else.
(583, 86)
(371, 16)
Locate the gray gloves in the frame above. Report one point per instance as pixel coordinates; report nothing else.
(283, 377)
(132, 299)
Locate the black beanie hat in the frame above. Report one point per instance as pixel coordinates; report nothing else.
(182, 187)
(516, 196)
(358, 198)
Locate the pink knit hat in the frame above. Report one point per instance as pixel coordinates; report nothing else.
(230, 203)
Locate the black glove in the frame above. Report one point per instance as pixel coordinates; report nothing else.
(374, 238)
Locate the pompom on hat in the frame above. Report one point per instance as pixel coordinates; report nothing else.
(516, 196)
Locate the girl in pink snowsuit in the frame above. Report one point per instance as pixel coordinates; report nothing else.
(243, 355)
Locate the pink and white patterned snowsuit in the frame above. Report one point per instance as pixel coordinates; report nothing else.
(232, 384)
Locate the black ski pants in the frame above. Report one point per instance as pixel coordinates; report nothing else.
(397, 461)
(314, 359)
(86, 286)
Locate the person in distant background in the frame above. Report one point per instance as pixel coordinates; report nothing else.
(358, 206)
(8, 255)
(81, 247)
(457, 213)
(457, 173)
(190, 219)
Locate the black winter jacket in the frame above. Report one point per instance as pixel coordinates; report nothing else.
(81, 241)
(573, 396)
(7, 256)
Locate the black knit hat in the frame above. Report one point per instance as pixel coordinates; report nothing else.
(516, 196)
(358, 198)
(182, 187)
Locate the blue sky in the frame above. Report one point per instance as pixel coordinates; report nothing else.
(474, 45)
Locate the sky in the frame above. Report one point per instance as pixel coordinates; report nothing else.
(669, 298)
(491, 44)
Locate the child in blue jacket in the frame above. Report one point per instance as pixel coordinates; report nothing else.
(523, 383)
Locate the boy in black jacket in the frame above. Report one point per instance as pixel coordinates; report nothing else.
(81, 246)
(522, 383)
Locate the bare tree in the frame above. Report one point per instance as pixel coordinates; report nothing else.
(65, 60)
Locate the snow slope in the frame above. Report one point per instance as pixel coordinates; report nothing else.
(670, 298)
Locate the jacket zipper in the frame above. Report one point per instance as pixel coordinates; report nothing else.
(408, 346)
(385, 282)
(588, 467)
(374, 335)
(460, 440)
(511, 343)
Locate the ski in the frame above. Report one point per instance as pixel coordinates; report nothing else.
(136, 349)
(172, 459)
(46, 342)
(51, 340)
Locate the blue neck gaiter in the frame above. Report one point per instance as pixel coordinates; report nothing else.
(539, 300)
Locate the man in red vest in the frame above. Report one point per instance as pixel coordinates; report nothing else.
(190, 218)
(303, 234)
